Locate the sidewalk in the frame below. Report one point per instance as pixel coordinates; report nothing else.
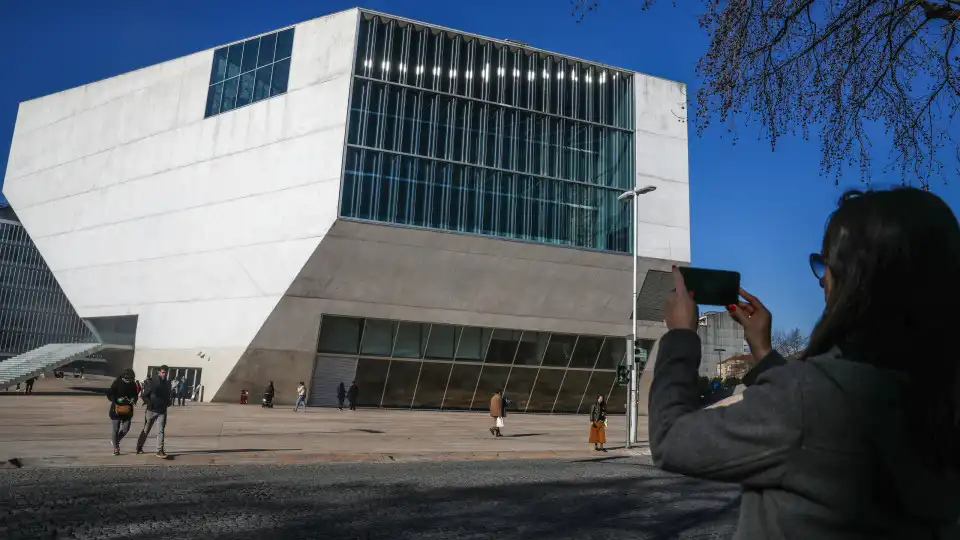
(71, 428)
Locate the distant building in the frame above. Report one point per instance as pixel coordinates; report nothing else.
(720, 338)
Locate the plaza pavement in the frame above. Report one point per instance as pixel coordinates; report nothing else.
(65, 424)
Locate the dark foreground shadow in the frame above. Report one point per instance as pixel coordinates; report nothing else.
(398, 501)
(521, 435)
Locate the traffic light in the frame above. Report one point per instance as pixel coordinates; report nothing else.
(639, 355)
(622, 376)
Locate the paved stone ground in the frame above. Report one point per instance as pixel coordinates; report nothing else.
(607, 497)
(65, 424)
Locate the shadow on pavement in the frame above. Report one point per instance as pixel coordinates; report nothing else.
(306, 502)
(521, 435)
(173, 455)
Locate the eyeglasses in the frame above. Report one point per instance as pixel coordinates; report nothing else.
(818, 266)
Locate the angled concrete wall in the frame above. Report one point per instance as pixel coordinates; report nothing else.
(141, 206)
(381, 271)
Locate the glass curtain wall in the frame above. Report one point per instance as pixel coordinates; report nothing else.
(457, 133)
(33, 309)
(405, 364)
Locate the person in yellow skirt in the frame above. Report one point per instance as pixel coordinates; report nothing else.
(598, 424)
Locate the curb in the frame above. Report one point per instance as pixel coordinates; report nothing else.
(282, 458)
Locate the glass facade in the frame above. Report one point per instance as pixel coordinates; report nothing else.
(405, 364)
(33, 309)
(247, 72)
(456, 133)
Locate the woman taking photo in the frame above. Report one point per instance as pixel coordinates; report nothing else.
(859, 438)
(122, 395)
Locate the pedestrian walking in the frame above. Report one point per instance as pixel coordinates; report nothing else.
(353, 394)
(496, 411)
(301, 397)
(29, 385)
(157, 398)
(341, 395)
(859, 437)
(182, 390)
(123, 396)
(598, 424)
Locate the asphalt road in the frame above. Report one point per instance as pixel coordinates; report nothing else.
(608, 497)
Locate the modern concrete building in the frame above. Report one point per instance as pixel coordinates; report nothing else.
(362, 197)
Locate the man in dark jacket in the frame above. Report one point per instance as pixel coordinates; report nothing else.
(157, 396)
(353, 394)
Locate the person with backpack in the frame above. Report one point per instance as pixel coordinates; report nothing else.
(123, 396)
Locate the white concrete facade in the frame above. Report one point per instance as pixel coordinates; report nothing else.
(200, 227)
(141, 206)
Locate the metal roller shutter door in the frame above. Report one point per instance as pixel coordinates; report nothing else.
(328, 372)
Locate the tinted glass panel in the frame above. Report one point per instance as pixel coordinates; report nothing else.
(229, 94)
(219, 71)
(571, 391)
(267, 45)
(585, 354)
(214, 95)
(611, 355)
(281, 72)
(411, 340)
(463, 381)
(503, 346)
(618, 394)
(559, 175)
(443, 341)
(519, 385)
(339, 334)
(600, 385)
(284, 44)
(491, 378)
(559, 350)
(371, 376)
(432, 383)
(378, 337)
(234, 59)
(473, 344)
(531, 347)
(545, 390)
(401, 383)
(250, 49)
(261, 88)
(245, 93)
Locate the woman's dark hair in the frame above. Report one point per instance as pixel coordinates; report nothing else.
(894, 259)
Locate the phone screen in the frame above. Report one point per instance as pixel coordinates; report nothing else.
(712, 287)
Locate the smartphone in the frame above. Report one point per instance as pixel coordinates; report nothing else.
(712, 287)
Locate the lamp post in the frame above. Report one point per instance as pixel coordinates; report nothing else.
(631, 365)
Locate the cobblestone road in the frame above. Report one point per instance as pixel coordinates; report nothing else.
(607, 497)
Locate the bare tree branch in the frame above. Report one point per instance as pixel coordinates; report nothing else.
(844, 67)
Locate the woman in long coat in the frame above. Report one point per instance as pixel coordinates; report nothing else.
(598, 418)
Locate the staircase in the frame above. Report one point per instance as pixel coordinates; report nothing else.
(31, 364)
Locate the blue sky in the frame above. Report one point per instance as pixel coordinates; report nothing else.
(752, 210)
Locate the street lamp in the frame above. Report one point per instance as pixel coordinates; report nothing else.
(632, 387)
